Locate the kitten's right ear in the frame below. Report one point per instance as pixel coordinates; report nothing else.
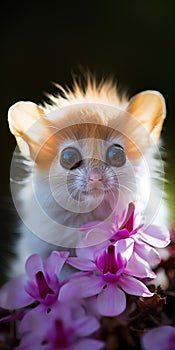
(30, 128)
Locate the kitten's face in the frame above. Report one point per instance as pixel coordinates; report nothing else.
(88, 171)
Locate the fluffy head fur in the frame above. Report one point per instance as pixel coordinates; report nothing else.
(56, 201)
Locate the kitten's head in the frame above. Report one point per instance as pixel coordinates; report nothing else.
(88, 155)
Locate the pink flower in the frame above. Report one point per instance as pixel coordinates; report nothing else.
(62, 328)
(40, 283)
(159, 338)
(110, 278)
(131, 226)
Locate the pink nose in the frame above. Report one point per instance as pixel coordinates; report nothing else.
(95, 175)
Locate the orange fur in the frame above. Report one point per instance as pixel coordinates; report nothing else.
(55, 201)
(85, 112)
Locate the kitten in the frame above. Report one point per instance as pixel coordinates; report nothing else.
(88, 153)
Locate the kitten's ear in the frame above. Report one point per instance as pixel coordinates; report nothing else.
(29, 127)
(149, 109)
(22, 115)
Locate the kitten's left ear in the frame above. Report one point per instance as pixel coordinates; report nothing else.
(149, 109)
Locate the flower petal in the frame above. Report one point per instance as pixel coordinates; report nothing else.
(162, 337)
(32, 322)
(94, 224)
(155, 236)
(133, 286)
(129, 219)
(87, 344)
(90, 286)
(34, 264)
(124, 233)
(13, 294)
(81, 287)
(147, 253)
(81, 264)
(17, 316)
(86, 326)
(89, 226)
(95, 237)
(111, 301)
(28, 342)
(54, 263)
(125, 247)
(139, 268)
(91, 251)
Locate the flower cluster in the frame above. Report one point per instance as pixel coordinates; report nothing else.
(65, 314)
(47, 321)
(121, 263)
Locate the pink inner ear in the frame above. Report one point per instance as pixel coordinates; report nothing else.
(22, 115)
(39, 142)
(149, 109)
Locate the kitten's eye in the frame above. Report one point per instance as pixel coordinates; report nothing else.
(70, 158)
(115, 156)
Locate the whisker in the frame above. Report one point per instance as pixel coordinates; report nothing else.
(116, 179)
(125, 187)
(44, 204)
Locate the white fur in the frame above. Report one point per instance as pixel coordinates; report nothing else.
(51, 217)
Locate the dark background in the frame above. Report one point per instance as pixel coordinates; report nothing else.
(45, 42)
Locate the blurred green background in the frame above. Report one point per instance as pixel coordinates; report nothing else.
(45, 42)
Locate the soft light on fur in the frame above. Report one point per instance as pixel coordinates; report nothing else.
(56, 201)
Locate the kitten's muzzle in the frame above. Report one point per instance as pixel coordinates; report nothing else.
(95, 176)
(95, 180)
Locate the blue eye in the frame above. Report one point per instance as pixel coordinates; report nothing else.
(70, 158)
(115, 156)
